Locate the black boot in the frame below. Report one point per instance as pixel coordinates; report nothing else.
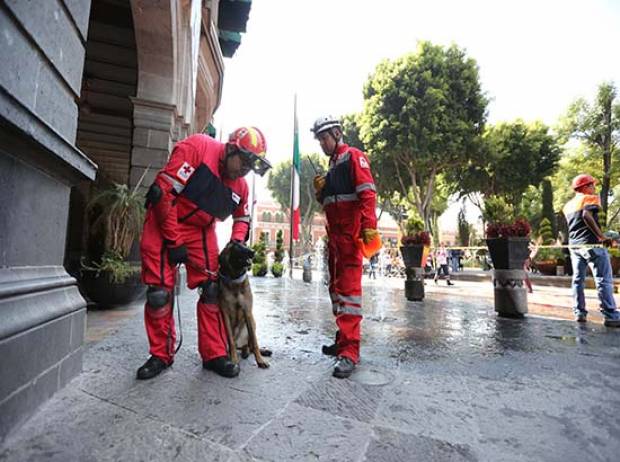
(449, 283)
(222, 366)
(331, 350)
(152, 367)
(344, 368)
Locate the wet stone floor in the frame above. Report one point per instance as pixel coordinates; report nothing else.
(442, 379)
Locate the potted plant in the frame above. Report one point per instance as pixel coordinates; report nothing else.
(508, 243)
(547, 260)
(116, 215)
(259, 262)
(415, 246)
(278, 268)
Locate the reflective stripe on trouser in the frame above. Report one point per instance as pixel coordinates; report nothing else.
(203, 251)
(345, 269)
(211, 331)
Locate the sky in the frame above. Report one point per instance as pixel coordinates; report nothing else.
(535, 57)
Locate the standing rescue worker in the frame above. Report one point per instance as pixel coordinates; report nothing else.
(348, 195)
(201, 184)
(582, 216)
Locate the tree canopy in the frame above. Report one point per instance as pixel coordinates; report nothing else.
(597, 124)
(279, 183)
(423, 113)
(513, 156)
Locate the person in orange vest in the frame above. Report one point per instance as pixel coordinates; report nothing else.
(348, 195)
(202, 183)
(583, 229)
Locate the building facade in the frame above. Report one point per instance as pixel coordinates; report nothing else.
(90, 93)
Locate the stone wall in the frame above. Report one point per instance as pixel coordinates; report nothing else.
(42, 315)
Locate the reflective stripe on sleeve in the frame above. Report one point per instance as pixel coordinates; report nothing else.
(365, 186)
(176, 185)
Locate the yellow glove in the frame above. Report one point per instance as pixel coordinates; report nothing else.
(369, 234)
(319, 183)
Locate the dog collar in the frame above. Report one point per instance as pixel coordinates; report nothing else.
(228, 280)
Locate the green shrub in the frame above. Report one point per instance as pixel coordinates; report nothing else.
(277, 269)
(259, 269)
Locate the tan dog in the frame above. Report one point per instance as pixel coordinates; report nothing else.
(235, 299)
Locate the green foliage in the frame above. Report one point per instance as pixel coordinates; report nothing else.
(547, 205)
(413, 225)
(597, 125)
(351, 129)
(279, 183)
(545, 232)
(423, 113)
(463, 228)
(259, 262)
(513, 156)
(114, 266)
(548, 254)
(117, 213)
(277, 269)
(497, 210)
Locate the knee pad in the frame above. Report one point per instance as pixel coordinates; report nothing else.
(209, 291)
(157, 297)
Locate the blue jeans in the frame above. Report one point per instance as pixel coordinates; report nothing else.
(598, 259)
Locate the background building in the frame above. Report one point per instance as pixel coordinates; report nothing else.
(90, 93)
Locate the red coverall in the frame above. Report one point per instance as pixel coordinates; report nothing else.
(194, 196)
(348, 198)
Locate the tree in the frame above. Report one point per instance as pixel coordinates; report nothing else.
(598, 126)
(547, 206)
(545, 232)
(463, 228)
(279, 183)
(513, 156)
(423, 113)
(259, 262)
(277, 268)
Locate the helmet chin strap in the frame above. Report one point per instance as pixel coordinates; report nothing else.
(337, 142)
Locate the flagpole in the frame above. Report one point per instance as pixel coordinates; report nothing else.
(290, 251)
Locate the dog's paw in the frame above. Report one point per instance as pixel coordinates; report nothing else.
(263, 364)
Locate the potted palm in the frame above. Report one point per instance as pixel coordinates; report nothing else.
(115, 215)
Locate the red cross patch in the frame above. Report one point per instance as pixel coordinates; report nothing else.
(185, 171)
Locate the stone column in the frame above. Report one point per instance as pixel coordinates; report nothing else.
(510, 293)
(153, 139)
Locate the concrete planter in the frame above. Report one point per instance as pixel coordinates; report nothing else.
(106, 294)
(509, 293)
(508, 252)
(413, 256)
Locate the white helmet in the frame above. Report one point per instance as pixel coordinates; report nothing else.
(325, 123)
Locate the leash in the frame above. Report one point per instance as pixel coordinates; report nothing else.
(177, 289)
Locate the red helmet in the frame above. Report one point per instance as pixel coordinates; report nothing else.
(582, 180)
(251, 143)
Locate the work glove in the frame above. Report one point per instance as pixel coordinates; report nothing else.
(177, 254)
(319, 183)
(369, 234)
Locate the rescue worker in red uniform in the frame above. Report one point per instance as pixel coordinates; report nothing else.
(201, 184)
(348, 195)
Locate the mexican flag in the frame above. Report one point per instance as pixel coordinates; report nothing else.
(295, 175)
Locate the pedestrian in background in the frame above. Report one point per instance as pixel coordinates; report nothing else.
(583, 229)
(441, 258)
(348, 195)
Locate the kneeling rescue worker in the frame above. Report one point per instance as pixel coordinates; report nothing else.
(201, 184)
(348, 196)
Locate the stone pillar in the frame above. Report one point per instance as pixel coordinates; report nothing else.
(510, 293)
(153, 139)
(42, 315)
(414, 284)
